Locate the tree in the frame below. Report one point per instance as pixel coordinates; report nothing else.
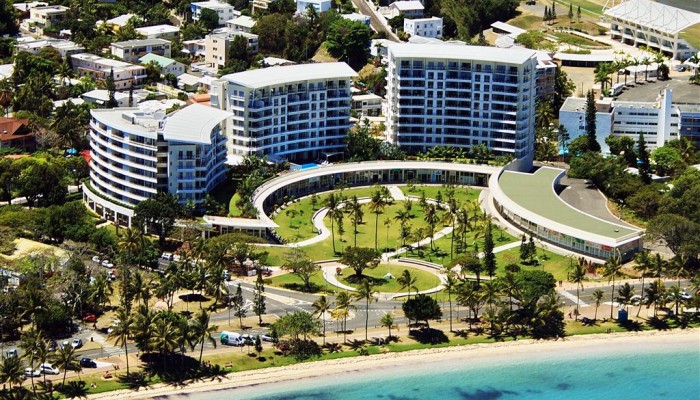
(159, 214)
(668, 161)
(361, 146)
(343, 305)
(202, 331)
(644, 162)
(613, 267)
(598, 297)
(111, 89)
(377, 203)
(209, 18)
(121, 329)
(271, 30)
(365, 292)
(354, 209)
(298, 324)
(571, 12)
(407, 281)
(643, 267)
(577, 275)
(8, 19)
(238, 304)
(301, 266)
(332, 202)
(422, 308)
(544, 114)
(590, 121)
(11, 371)
(432, 219)
(387, 321)
(153, 72)
(489, 259)
(321, 307)
(360, 259)
(533, 284)
(450, 283)
(578, 13)
(349, 41)
(625, 294)
(66, 359)
(259, 297)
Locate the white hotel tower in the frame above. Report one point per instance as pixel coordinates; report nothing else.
(137, 153)
(294, 113)
(461, 96)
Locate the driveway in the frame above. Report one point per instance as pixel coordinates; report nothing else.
(377, 22)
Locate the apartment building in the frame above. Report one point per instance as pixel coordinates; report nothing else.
(48, 18)
(295, 112)
(689, 126)
(167, 65)
(368, 105)
(461, 96)
(260, 5)
(132, 50)
(224, 10)
(125, 74)
(116, 23)
(658, 121)
(217, 45)
(409, 8)
(648, 23)
(243, 23)
(424, 27)
(318, 5)
(167, 32)
(65, 48)
(137, 153)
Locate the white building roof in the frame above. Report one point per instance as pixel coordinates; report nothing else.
(243, 20)
(211, 4)
(371, 96)
(6, 70)
(274, 61)
(240, 223)
(193, 124)
(102, 95)
(75, 101)
(28, 6)
(290, 73)
(460, 52)
(120, 20)
(140, 42)
(606, 57)
(654, 15)
(101, 60)
(156, 29)
(188, 79)
(502, 26)
(409, 5)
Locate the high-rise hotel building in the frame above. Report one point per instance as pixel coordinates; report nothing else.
(461, 96)
(294, 113)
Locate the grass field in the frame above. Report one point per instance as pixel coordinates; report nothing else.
(424, 279)
(291, 281)
(462, 194)
(579, 41)
(555, 264)
(592, 6)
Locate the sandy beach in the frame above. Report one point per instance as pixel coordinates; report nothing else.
(473, 352)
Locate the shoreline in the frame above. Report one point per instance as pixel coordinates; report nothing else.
(315, 369)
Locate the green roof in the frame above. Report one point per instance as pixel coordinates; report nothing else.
(691, 35)
(535, 193)
(160, 60)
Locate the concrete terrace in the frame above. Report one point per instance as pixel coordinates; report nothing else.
(535, 193)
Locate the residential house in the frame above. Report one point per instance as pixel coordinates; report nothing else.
(132, 50)
(15, 132)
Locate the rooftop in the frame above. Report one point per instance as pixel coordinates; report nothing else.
(239, 222)
(102, 95)
(120, 20)
(601, 57)
(290, 73)
(193, 124)
(243, 20)
(155, 29)
(131, 120)
(460, 52)
(408, 5)
(104, 61)
(52, 9)
(140, 42)
(211, 4)
(160, 60)
(651, 14)
(502, 26)
(573, 104)
(534, 192)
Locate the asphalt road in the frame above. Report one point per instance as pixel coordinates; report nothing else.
(376, 23)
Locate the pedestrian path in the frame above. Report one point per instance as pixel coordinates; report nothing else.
(571, 297)
(396, 193)
(108, 350)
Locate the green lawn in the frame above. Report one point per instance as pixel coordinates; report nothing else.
(553, 263)
(291, 281)
(692, 35)
(462, 193)
(424, 279)
(526, 21)
(593, 7)
(575, 40)
(233, 210)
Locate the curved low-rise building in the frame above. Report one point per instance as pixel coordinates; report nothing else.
(136, 153)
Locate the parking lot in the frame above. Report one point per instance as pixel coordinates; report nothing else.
(683, 91)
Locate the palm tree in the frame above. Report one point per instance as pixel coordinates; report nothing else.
(201, 331)
(343, 305)
(656, 295)
(387, 224)
(101, 289)
(66, 359)
(431, 218)
(643, 267)
(634, 62)
(321, 307)
(354, 209)
(577, 275)
(491, 290)
(450, 285)
(544, 114)
(646, 61)
(403, 216)
(679, 267)
(377, 204)
(675, 295)
(30, 342)
(387, 322)
(598, 297)
(121, 331)
(11, 371)
(332, 202)
(602, 76)
(407, 281)
(166, 337)
(365, 292)
(612, 271)
(625, 294)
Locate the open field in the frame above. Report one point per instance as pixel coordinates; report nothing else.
(424, 279)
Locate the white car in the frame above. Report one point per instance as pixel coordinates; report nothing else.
(96, 259)
(167, 256)
(29, 372)
(76, 343)
(48, 369)
(107, 264)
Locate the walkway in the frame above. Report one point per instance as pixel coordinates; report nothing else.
(323, 233)
(396, 193)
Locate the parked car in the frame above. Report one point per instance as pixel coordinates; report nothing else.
(96, 259)
(48, 369)
(267, 338)
(87, 363)
(89, 317)
(167, 256)
(76, 343)
(29, 372)
(53, 346)
(248, 339)
(12, 353)
(107, 264)
(231, 339)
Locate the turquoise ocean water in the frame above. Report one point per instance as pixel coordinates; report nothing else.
(630, 372)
